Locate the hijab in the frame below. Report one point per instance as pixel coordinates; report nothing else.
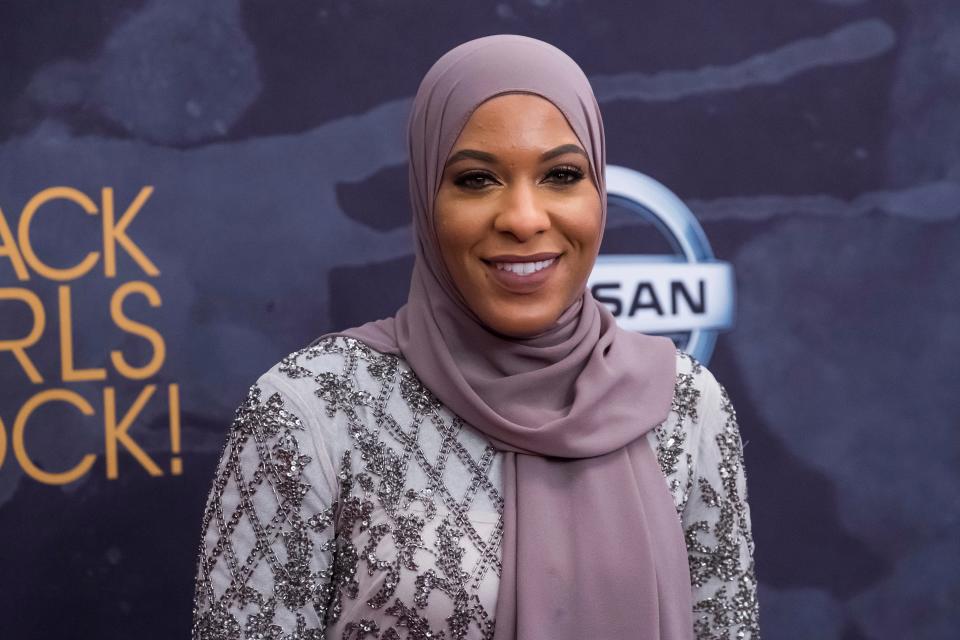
(592, 544)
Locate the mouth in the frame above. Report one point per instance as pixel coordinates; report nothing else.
(522, 274)
(524, 268)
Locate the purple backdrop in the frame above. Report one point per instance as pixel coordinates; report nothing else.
(817, 141)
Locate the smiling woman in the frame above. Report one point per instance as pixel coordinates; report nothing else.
(499, 459)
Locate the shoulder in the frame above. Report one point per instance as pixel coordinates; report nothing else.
(700, 396)
(697, 392)
(341, 376)
(328, 364)
(326, 354)
(697, 400)
(330, 373)
(310, 402)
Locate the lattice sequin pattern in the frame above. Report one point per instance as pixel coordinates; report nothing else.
(408, 544)
(256, 528)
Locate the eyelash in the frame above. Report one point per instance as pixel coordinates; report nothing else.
(575, 172)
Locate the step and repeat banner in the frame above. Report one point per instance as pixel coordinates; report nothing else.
(189, 191)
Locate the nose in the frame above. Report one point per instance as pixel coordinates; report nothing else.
(523, 213)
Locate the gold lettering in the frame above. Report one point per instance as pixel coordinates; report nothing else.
(20, 426)
(115, 432)
(67, 370)
(8, 247)
(17, 347)
(23, 231)
(3, 442)
(117, 233)
(136, 328)
(176, 463)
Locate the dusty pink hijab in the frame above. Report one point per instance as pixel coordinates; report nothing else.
(592, 545)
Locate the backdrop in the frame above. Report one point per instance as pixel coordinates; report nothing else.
(192, 190)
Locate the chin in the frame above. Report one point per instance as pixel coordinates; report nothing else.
(519, 327)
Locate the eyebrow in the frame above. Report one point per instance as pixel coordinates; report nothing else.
(562, 149)
(483, 156)
(463, 154)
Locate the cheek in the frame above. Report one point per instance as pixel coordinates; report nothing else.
(581, 220)
(457, 232)
(582, 227)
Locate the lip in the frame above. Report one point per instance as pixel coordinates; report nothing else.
(522, 284)
(533, 257)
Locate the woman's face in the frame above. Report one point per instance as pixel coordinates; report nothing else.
(518, 215)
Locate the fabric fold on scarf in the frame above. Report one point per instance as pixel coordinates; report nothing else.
(592, 544)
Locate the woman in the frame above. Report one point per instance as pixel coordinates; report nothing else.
(499, 459)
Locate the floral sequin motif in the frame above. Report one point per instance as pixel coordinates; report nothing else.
(396, 551)
(376, 534)
(278, 536)
(710, 493)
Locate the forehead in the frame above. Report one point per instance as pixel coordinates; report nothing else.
(516, 118)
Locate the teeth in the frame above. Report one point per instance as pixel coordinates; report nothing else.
(524, 268)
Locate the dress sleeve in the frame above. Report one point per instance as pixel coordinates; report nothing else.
(716, 522)
(265, 560)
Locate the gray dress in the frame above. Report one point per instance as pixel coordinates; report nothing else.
(350, 503)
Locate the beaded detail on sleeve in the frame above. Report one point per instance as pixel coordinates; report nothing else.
(260, 531)
(701, 456)
(414, 550)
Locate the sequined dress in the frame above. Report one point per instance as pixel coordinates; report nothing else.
(349, 503)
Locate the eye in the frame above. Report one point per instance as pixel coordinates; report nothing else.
(565, 174)
(474, 180)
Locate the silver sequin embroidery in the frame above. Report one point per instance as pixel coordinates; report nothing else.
(410, 539)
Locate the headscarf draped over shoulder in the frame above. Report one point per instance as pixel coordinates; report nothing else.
(592, 546)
